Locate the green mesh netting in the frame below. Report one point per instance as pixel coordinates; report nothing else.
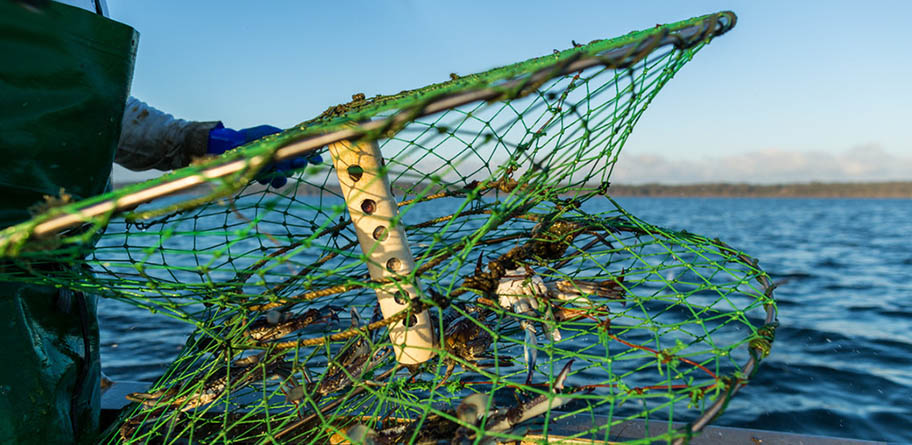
(554, 312)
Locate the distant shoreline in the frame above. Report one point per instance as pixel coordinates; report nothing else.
(893, 189)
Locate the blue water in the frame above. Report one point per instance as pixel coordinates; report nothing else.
(842, 358)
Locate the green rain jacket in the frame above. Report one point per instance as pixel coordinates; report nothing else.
(64, 80)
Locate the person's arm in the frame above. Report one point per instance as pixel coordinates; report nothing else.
(152, 139)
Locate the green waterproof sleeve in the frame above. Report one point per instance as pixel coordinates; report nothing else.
(64, 80)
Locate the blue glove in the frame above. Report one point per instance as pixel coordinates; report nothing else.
(222, 139)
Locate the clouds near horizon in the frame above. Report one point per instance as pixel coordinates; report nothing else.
(867, 163)
(859, 164)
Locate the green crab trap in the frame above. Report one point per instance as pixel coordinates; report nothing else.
(457, 273)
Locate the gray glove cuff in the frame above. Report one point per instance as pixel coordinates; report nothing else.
(152, 139)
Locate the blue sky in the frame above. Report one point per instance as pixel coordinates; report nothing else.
(798, 90)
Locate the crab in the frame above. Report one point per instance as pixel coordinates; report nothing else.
(275, 325)
(238, 374)
(524, 292)
(476, 414)
(352, 361)
(465, 338)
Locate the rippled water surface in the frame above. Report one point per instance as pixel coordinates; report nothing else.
(841, 364)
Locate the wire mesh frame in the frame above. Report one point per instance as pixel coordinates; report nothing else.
(496, 180)
(626, 226)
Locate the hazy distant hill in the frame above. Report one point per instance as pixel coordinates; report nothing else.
(810, 190)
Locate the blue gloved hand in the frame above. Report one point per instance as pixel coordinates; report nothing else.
(222, 139)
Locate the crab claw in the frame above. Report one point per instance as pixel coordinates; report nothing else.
(250, 359)
(446, 375)
(517, 291)
(473, 408)
(478, 268)
(333, 313)
(361, 434)
(355, 318)
(306, 376)
(273, 317)
(530, 349)
(562, 376)
(295, 394)
(576, 290)
(535, 407)
(146, 396)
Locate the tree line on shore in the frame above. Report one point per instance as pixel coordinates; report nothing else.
(895, 189)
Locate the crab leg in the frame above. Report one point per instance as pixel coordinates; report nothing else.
(213, 388)
(530, 349)
(533, 408)
(277, 325)
(352, 361)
